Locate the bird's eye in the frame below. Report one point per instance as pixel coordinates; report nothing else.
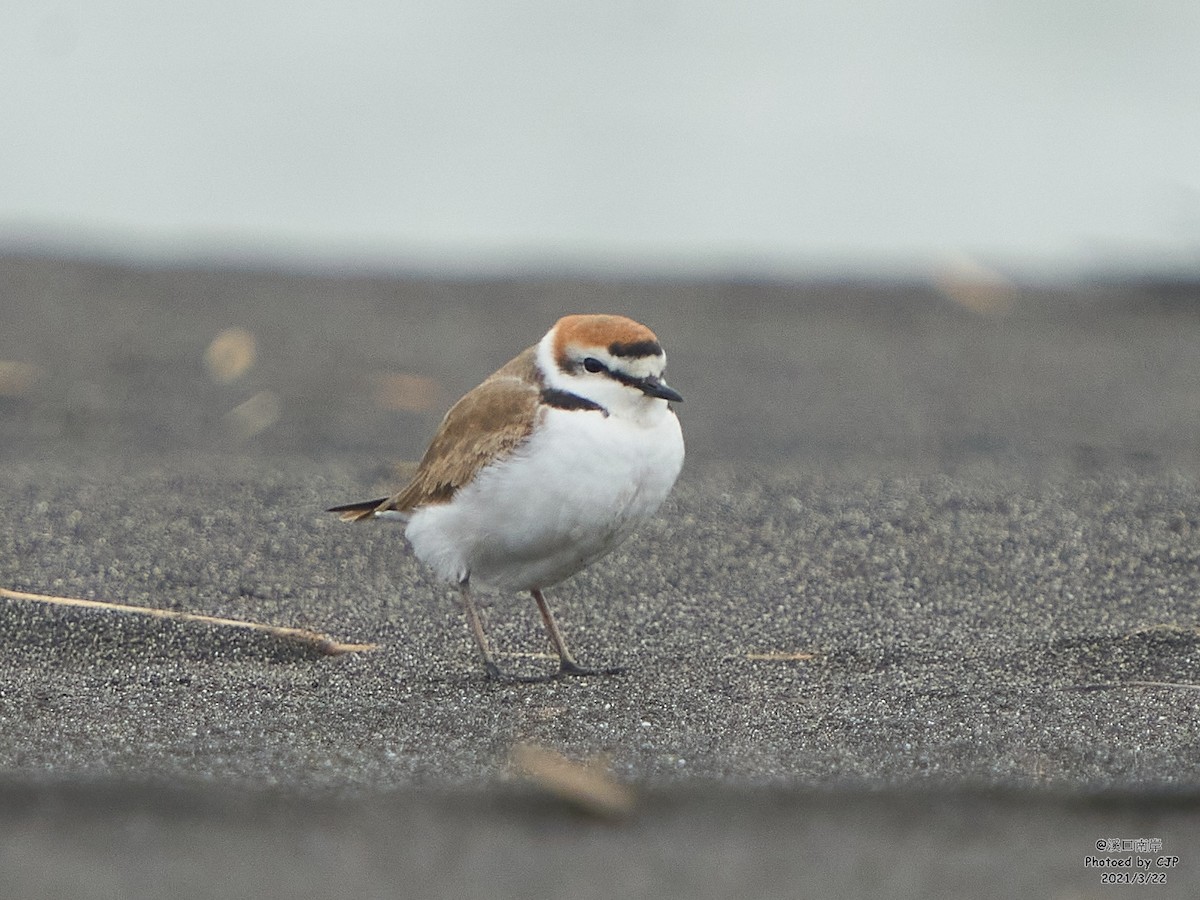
(593, 365)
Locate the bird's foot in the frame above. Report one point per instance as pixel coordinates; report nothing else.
(496, 674)
(569, 667)
(566, 669)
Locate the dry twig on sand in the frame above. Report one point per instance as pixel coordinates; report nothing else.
(319, 642)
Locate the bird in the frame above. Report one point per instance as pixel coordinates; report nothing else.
(542, 469)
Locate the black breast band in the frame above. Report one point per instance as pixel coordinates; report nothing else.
(566, 400)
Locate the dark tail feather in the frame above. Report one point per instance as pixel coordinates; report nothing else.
(356, 512)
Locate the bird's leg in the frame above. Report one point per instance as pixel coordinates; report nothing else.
(494, 672)
(489, 661)
(566, 662)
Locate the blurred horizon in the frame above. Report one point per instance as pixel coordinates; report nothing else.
(1026, 141)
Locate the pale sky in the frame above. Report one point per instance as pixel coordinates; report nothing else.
(1037, 134)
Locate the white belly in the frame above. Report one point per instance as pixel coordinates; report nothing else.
(579, 486)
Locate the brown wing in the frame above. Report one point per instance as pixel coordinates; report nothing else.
(487, 424)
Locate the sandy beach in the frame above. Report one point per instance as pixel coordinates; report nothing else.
(920, 619)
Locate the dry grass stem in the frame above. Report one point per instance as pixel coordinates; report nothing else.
(781, 656)
(319, 642)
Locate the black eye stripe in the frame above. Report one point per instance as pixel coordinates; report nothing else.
(623, 378)
(595, 366)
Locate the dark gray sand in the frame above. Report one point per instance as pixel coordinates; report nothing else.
(920, 619)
